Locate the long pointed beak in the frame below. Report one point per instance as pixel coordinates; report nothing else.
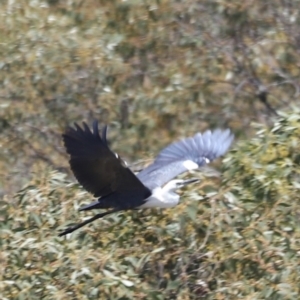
(188, 181)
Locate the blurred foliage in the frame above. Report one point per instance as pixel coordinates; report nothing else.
(159, 69)
(235, 239)
(155, 71)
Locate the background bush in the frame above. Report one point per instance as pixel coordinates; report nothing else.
(156, 71)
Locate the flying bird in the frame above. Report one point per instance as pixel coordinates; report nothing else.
(104, 174)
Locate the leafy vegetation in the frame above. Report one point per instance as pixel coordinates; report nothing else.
(155, 71)
(235, 241)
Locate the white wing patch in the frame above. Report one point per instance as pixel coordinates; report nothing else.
(190, 165)
(206, 160)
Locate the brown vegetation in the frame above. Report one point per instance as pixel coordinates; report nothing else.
(155, 71)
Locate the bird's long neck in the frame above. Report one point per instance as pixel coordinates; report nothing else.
(161, 198)
(166, 196)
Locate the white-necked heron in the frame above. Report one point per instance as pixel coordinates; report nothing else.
(104, 174)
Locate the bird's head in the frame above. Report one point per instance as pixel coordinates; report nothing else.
(178, 183)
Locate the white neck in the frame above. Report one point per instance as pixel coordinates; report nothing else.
(161, 198)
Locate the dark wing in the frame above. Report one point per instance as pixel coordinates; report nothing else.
(189, 153)
(99, 170)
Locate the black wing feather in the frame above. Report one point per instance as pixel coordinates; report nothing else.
(95, 166)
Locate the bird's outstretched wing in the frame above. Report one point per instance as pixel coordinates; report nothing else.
(99, 170)
(187, 154)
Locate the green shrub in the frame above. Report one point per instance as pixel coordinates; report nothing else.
(235, 239)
